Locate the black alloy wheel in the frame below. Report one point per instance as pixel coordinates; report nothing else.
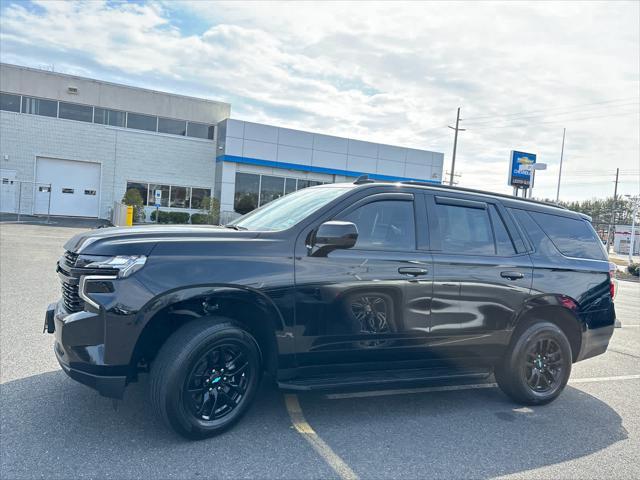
(543, 365)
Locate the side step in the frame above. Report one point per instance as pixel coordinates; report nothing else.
(384, 378)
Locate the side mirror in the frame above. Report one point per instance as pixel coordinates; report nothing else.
(334, 235)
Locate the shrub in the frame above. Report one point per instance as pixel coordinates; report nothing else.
(634, 269)
(161, 215)
(133, 198)
(178, 217)
(199, 219)
(211, 210)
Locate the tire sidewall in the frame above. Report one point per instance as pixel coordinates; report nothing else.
(177, 413)
(516, 362)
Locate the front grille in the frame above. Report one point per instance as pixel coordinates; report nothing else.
(70, 281)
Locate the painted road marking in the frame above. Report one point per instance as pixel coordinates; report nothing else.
(451, 388)
(324, 450)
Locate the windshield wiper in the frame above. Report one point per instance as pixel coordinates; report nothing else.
(236, 227)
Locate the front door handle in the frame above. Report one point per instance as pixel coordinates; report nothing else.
(413, 271)
(512, 275)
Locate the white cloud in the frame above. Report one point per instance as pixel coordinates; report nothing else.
(386, 72)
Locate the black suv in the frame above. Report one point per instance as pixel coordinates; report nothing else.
(358, 285)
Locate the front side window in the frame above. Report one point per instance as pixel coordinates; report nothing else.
(9, 102)
(287, 211)
(384, 225)
(40, 106)
(465, 230)
(141, 122)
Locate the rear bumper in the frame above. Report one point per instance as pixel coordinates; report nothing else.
(598, 332)
(79, 349)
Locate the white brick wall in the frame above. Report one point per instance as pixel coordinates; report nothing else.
(124, 154)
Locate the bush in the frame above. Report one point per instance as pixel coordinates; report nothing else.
(161, 215)
(634, 269)
(178, 217)
(200, 219)
(211, 210)
(133, 198)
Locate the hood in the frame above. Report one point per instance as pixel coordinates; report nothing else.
(140, 240)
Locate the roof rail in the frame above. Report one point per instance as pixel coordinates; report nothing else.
(363, 179)
(484, 192)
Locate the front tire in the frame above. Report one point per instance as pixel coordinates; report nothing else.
(205, 377)
(537, 365)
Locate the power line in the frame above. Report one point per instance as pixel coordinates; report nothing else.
(551, 109)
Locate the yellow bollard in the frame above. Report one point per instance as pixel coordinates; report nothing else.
(129, 216)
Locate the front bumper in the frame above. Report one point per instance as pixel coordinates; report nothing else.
(79, 348)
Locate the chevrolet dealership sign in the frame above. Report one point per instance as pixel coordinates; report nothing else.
(520, 169)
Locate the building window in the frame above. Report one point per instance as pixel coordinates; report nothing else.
(10, 103)
(200, 130)
(197, 197)
(174, 127)
(289, 185)
(143, 188)
(74, 111)
(104, 116)
(164, 201)
(179, 197)
(271, 188)
(247, 192)
(39, 106)
(307, 183)
(142, 122)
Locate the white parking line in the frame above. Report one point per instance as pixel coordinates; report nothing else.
(309, 434)
(451, 388)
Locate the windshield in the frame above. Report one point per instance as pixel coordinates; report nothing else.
(286, 211)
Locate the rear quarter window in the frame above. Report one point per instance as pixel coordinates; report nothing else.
(572, 237)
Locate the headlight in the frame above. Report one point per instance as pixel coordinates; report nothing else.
(125, 264)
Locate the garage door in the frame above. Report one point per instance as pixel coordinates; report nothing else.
(75, 187)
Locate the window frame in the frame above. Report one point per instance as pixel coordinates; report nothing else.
(90, 107)
(383, 197)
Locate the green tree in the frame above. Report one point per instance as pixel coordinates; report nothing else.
(211, 208)
(133, 198)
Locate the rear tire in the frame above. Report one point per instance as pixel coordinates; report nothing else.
(537, 365)
(205, 377)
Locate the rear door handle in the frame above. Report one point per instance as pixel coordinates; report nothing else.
(413, 271)
(512, 275)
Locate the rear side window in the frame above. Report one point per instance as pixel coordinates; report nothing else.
(465, 230)
(572, 237)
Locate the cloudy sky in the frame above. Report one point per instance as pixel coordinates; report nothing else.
(385, 72)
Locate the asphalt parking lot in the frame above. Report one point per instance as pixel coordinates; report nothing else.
(52, 427)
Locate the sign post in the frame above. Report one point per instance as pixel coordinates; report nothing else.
(520, 167)
(158, 201)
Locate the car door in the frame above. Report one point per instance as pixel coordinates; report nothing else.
(482, 276)
(368, 303)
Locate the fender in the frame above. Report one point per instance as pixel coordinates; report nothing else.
(545, 300)
(181, 294)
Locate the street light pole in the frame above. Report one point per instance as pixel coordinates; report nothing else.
(564, 130)
(633, 229)
(455, 145)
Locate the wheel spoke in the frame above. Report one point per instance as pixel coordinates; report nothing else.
(212, 410)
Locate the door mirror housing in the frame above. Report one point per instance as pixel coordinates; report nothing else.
(333, 235)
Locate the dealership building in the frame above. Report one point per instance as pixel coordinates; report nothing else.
(73, 146)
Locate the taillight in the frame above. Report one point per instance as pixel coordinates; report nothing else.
(612, 274)
(612, 289)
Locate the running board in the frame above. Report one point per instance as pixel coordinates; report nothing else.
(385, 378)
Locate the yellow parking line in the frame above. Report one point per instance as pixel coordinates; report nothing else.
(309, 434)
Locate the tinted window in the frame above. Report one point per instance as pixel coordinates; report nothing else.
(247, 191)
(271, 188)
(140, 187)
(504, 245)
(109, 117)
(572, 237)
(141, 122)
(197, 196)
(73, 111)
(200, 130)
(385, 225)
(39, 106)
(465, 230)
(175, 127)
(9, 102)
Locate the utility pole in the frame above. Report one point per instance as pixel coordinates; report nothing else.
(455, 145)
(613, 210)
(564, 130)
